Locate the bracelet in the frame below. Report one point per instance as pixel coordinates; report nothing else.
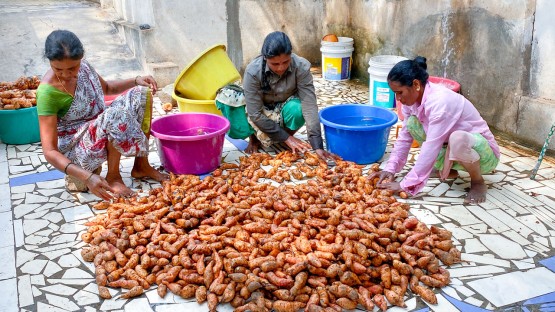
(90, 176)
(136, 79)
(65, 169)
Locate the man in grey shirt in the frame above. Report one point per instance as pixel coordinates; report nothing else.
(280, 98)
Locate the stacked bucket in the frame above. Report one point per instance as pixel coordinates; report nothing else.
(378, 67)
(191, 142)
(355, 132)
(337, 58)
(380, 93)
(196, 86)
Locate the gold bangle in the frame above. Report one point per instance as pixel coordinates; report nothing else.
(136, 79)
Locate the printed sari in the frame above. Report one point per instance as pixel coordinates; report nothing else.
(86, 128)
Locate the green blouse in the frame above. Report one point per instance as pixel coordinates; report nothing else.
(51, 101)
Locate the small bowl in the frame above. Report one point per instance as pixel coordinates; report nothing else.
(330, 38)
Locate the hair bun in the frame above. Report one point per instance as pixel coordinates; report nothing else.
(421, 62)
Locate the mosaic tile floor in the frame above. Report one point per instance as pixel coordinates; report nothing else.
(507, 242)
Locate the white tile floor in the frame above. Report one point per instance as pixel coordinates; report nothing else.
(507, 242)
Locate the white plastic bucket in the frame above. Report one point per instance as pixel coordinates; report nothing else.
(378, 68)
(337, 58)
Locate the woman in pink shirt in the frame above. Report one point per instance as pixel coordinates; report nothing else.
(452, 134)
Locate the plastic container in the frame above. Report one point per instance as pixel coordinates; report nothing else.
(19, 126)
(201, 106)
(337, 58)
(378, 67)
(211, 70)
(357, 132)
(108, 99)
(448, 83)
(190, 143)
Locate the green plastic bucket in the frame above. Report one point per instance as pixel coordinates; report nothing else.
(19, 126)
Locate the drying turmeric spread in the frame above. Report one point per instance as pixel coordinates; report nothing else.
(328, 240)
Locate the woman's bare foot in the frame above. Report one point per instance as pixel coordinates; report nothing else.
(119, 188)
(142, 169)
(254, 145)
(477, 192)
(149, 173)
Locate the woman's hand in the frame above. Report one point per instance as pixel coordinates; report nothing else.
(296, 145)
(147, 81)
(384, 176)
(393, 186)
(325, 155)
(386, 181)
(99, 187)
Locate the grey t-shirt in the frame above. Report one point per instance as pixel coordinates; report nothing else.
(297, 80)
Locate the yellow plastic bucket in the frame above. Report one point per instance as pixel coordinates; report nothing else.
(200, 106)
(206, 74)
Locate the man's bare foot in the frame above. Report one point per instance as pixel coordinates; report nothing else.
(453, 174)
(120, 189)
(146, 171)
(254, 145)
(477, 193)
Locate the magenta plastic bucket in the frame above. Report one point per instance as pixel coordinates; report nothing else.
(448, 83)
(190, 143)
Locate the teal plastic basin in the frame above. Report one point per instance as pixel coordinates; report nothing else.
(19, 126)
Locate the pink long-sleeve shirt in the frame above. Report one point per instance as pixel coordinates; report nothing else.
(441, 112)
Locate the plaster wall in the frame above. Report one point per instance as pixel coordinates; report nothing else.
(185, 28)
(165, 35)
(181, 30)
(480, 44)
(537, 111)
(135, 11)
(499, 51)
(543, 49)
(535, 117)
(300, 20)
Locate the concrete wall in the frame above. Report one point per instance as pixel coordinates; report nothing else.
(499, 51)
(181, 30)
(543, 50)
(300, 20)
(496, 50)
(537, 109)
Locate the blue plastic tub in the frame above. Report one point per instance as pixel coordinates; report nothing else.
(357, 132)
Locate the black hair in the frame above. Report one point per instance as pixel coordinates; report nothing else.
(63, 44)
(406, 71)
(275, 43)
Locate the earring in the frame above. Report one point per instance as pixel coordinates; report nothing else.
(417, 88)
